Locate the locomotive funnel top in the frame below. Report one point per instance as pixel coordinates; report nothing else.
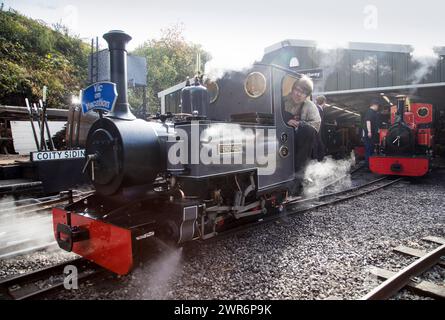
(117, 41)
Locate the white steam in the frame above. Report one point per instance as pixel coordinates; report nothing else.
(426, 61)
(329, 172)
(154, 282)
(231, 60)
(367, 65)
(331, 54)
(21, 230)
(214, 73)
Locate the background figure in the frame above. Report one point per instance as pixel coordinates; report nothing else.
(371, 129)
(320, 150)
(302, 114)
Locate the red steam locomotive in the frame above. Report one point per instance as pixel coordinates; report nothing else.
(406, 147)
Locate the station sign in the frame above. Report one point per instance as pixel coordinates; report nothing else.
(99, 96)
(57, 155)
(314, 74)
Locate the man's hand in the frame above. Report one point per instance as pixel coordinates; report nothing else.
(369, 135)
(294, 123)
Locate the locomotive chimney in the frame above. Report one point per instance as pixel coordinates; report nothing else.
(401, 102)
(117, 41)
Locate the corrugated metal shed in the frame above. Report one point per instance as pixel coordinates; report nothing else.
(357, 73)
(359, 65)
(354, 74)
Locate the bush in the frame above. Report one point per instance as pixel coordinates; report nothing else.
(33, 55)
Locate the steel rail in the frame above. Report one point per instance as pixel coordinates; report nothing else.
(10, 251)
(17, 203)
(44, 204)
(25, 286)
(9, 255)
(277, 217)
(342, 177)
(338, 200)
(10, 288)
(391, 286)
(323, 196)
(26, 201)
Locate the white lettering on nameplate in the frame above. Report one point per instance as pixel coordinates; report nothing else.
(57, 155)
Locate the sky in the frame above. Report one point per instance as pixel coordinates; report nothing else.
(236, 32)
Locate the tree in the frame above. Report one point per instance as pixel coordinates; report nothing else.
(33, 55)
(170, 61)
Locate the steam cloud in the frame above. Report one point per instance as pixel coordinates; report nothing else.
(21, 230)
(426, 62)
(214, 73)
(367, 65)
(230, 60)
(318, 175)
(154, 281)
(331, 55)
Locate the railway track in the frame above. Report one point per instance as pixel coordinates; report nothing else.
(300, 205)
(32, 212)
(296, 205)
(340, 179)
(10, 248)
(32, 205)
(35, 284)
(43, 281)
(394, 282)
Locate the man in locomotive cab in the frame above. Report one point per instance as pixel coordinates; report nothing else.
(371, 129)
(302, 114)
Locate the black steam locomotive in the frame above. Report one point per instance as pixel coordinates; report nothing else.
(227, 158)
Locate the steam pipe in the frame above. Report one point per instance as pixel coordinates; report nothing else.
(117, 41)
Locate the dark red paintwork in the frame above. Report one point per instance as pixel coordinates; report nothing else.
(108, 246)
(425, 137)
(410, 167)
(425, 117)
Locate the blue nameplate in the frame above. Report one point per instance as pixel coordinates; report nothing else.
(99, 96)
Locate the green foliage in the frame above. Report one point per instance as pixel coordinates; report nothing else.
(33, 55)
(170, 61)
